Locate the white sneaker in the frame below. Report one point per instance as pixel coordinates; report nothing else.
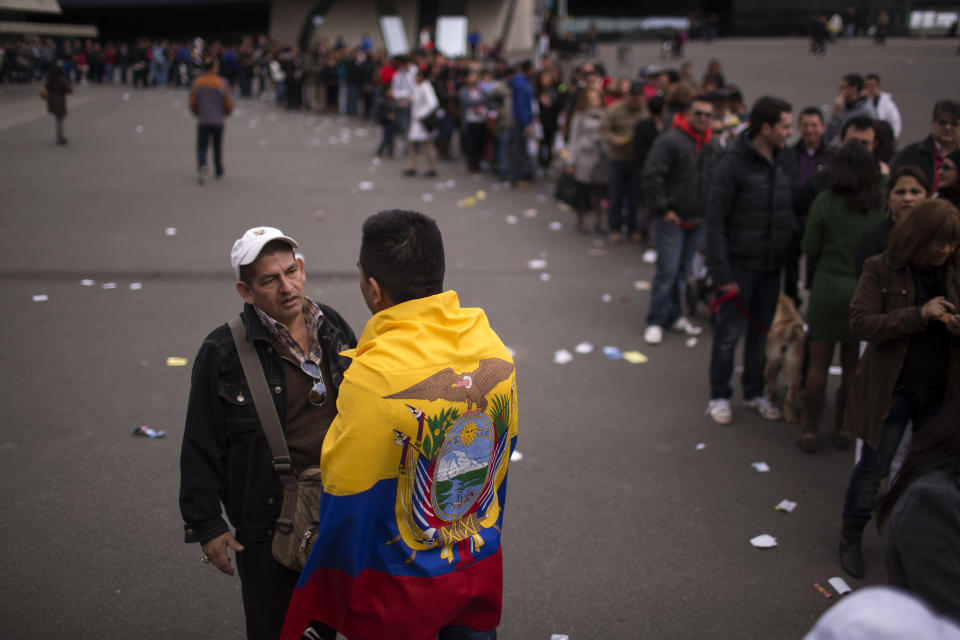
(763, 406)
(682, 325)
(653, 335)
(719, 411)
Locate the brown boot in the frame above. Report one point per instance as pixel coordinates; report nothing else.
(812, 408)
(841, 437)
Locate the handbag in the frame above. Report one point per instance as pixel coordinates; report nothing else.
(566, 190)
(431, 121)
(296, 528)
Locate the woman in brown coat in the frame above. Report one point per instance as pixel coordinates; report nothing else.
(55, 90)
(905, 306)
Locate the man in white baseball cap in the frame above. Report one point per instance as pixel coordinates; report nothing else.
(225, 459)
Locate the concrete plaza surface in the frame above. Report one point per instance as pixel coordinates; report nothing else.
(617, 525)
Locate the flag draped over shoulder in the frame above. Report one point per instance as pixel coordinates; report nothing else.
(414, 479)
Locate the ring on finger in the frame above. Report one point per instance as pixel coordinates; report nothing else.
(205, 559)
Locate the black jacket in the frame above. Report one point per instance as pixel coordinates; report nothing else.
(677, 178)
(750, 217)
(919, 154)
(225, 457)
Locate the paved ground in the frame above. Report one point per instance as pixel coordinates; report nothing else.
(617, 526)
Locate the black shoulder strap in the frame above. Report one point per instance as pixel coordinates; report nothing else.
(269, 420)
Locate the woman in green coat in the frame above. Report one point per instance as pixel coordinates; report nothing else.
(838, 217)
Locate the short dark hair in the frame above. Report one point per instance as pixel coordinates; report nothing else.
(854, 80)
(403, 252)
(853, 174)
(948, 108)
(860, 123)
(247, 272)
(872, 76)
(812, 111)
(933, 220)
(766, 110)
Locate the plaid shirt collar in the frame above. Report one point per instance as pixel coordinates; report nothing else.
(279, 332)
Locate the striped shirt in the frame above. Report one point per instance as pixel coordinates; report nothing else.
(313, 316)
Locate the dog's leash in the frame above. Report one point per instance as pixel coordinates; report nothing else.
(731, 296)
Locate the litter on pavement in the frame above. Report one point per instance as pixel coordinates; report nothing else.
(761, 467)
(556, 226)
(86, 282)
(562, 356)
(537, 263)
(642, 285)
(544, 277)
(787, 506)
(176, 361)
(634, 357)
(148, 432)
(109, 285)
(584, 347)
(613, 353)
(42, 297)
(764, 541)
(691, 342)
(170, 231)
(826, 594)
(136, 286)
(701, 446)
(515, 456)
(530, 213)
(840, 585)
(511, 219)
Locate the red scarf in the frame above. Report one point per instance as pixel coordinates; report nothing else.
(680, 122)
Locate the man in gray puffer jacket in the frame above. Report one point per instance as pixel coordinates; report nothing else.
(750, 222)
(676, 181)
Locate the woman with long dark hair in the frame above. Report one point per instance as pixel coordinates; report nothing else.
(838, 217)
(906, 188)
(905, 307)
(920, 516)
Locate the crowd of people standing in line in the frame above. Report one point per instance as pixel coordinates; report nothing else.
(680, 165)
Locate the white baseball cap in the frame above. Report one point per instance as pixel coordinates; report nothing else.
(248, 247)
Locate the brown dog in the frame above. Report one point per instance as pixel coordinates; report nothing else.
(785, 352)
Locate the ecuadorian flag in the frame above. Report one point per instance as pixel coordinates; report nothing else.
(414, 480)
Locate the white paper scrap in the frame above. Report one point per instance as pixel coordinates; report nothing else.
(511, 219)
(761, 467)
(544, 277)
(642, 285)
(764, 541)
(427, 197)
(125, 96)
(562, 356)
(515, 456)
(701, 446)
(87, 282)
(451, 184)
(840, 585)
(109, 285)
(376, 161)
(584, 347)
(139, 128)
(691, 342)
(556, 226)
(537, 263)
(559, 636)
(170, 231)
(786, 506)
(42, 297)
(530, 213)
(365, 186)
(650, 256)
(606, 297)
(136, 286)
(836, 371)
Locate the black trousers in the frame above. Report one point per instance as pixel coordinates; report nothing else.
(206, 133)
(266, 586)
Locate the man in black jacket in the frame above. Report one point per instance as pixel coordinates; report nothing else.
(225, 458)
(676, 180)
(944, 137)
(750, 223)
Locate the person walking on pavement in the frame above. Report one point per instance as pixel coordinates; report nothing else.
(225, 457)
(210, 101)
(905, 307)
(54, 91)
(750, 223)
(623, 188)
(676, 181)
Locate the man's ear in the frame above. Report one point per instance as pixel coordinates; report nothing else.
(244, 290)
(376, 293)
(303, 271)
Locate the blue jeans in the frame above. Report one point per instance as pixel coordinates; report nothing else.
(386, 143)
(522, 167)
(676, 247)
(463, 633)
(758, 296)
(205, 134)
(503, 152)
(874, 465)
(353, 94)
(623, 185)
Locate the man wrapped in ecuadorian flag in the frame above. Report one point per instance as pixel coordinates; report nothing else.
(415, 464)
